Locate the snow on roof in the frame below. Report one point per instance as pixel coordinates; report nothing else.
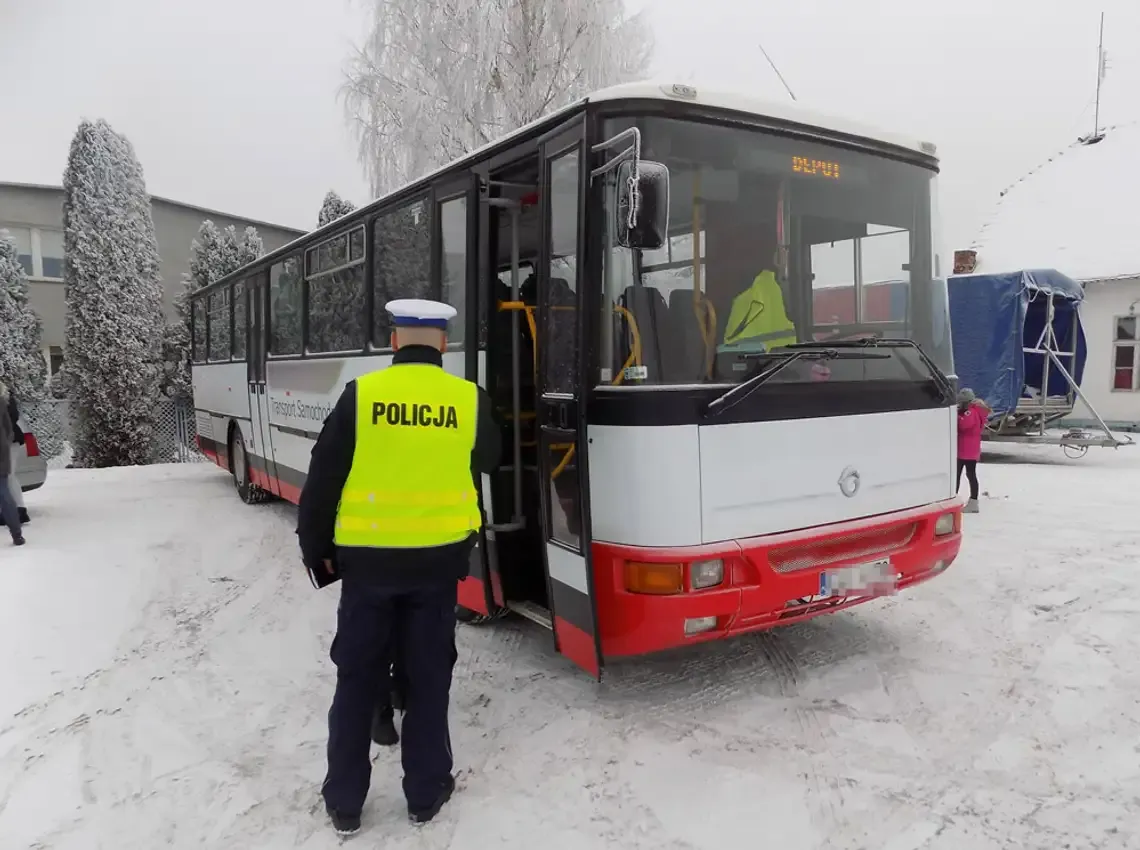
(740, 102)
(1076, 213)
(207, 211)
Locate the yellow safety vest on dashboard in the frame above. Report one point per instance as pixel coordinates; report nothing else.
(758, 315)
(411, 485)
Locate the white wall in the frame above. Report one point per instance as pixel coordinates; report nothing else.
(1103, 303)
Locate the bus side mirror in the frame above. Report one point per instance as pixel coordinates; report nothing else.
(650, 225)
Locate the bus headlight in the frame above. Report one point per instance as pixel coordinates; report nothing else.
(944, 525)
(704, 574)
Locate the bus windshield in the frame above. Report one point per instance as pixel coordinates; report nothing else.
(773, 241)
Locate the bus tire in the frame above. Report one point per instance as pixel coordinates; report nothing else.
(249, 492)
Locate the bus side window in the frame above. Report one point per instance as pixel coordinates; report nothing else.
(334, 271)
(401, 262)
(240, 303)
(219, 330)
(453, 262)
(560, 335)
(198, 347)
(285, 307)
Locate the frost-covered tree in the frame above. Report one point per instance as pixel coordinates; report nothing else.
(114, 299)
(334, 207)
(436, 79)
(22, 366)
(214, 254)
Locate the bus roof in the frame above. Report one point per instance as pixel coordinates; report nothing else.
(746, 103)
(715, 99)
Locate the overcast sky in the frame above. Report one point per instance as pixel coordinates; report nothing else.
(231, 104)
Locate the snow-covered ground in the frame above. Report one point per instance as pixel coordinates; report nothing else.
(165, 684)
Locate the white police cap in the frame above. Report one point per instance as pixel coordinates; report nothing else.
(420, 313)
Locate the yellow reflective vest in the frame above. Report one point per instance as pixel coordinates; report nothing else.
(411, 485)
(758, 315)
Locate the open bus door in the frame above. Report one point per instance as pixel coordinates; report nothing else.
(263, 472)
(457, 216)
(561, 431)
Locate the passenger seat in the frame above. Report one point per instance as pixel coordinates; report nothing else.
(692, 351)
(658, 338)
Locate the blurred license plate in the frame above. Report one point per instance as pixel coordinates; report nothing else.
(875, 578)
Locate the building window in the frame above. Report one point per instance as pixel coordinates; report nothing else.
(55, 359)
(22, 236)
(50, 254)
(1126, 355)
(401, 263)
(40, 251)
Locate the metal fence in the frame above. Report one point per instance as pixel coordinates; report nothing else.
(51, 421)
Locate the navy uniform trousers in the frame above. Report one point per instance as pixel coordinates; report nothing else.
(415, 627)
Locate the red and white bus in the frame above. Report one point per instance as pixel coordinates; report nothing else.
(661, 487)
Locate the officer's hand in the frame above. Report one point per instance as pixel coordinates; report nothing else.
(328, 566)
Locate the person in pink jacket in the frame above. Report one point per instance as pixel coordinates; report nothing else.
(972, 416)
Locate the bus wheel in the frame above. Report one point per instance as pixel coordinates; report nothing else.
(249, 492)
(474, 618)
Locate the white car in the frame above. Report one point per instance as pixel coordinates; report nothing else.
(31, 466)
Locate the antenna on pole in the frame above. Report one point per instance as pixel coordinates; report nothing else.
(788, 88)
(1101, 68)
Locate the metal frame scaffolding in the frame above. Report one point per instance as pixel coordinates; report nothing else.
(1029, 420)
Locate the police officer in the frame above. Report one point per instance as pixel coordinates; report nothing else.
(390, 507)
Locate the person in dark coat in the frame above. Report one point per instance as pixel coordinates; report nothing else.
(390, 507)
(18, 439)
(8, 510)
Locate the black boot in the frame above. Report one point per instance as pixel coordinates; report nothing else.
(24, 518)
(384, 727)
(344, 824)
(426, 815)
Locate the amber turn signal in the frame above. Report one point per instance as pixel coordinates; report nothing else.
(658, 579)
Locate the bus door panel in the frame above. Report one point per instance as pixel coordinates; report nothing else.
(255, 374)
(475, 589)
(262, 471)
(455, 263)
(562, 455)
(566, 545)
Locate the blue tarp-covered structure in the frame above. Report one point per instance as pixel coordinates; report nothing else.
(995, 317)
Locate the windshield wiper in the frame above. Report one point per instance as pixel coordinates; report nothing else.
(786, 356)
(945, 390)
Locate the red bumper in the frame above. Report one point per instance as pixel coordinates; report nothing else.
(768, 581)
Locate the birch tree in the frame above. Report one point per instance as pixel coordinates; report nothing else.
(114, 299)
(436, 79)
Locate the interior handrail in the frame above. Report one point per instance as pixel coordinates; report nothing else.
(634, 357)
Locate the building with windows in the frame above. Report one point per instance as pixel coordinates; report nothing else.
(33, 215)
(1074, 213)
